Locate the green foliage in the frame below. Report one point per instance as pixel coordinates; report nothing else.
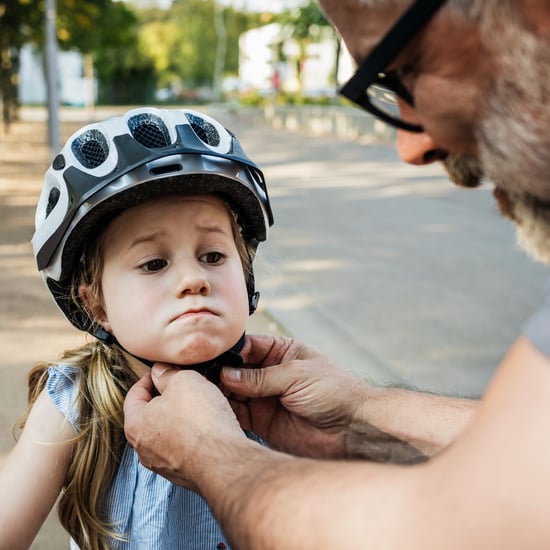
(106, 29)
(159, 39)
(252, 99)
(125, 71)
(305, 21)
(136, 51)
(182, 41)
(195, 49)
(296, 98)
(15, 30)
(255, 99)
(79, 23)
(16, 17)
(306, 24)
(236, 23)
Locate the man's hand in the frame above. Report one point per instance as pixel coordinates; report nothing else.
(300, 403)
(183, 431)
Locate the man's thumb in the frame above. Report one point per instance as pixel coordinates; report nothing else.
(161, 373)
(249, 382)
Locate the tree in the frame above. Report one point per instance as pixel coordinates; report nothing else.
(15, 16)
(108, 32)
(184, 43)
(308, 24)
(125, 71)
(104, 29)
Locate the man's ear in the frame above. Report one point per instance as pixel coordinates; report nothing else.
(94, 306)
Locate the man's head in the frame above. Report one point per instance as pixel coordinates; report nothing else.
(478, 76)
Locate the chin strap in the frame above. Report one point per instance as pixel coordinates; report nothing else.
(210, 369)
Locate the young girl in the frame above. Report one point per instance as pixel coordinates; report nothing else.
(146, 230)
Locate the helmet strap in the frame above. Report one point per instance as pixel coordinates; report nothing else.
(210, 369)
(253, 299)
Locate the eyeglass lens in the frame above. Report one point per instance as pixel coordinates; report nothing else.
(384, 99)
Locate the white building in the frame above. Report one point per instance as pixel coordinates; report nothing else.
(261, 69)
(74, 88)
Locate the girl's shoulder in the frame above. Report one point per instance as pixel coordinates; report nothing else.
(63, 373)
(62, 388)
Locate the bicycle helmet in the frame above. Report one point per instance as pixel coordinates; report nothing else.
(112, 165)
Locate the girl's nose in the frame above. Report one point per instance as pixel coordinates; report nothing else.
(192, 280)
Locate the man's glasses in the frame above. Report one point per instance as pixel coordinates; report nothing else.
(378, 92)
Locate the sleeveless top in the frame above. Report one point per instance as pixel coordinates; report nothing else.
(151, 512)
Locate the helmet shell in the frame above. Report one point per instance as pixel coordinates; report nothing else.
(112, 165)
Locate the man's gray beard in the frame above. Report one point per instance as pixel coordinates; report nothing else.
(514, 137)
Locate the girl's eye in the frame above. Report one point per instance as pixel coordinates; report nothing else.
(212, 258)
(153, 266)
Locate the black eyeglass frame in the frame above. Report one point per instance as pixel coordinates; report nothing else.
(371, 69)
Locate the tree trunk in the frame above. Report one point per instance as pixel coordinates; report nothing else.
(9, 71)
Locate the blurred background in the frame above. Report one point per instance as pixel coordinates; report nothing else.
(386, 268)
(95, 52)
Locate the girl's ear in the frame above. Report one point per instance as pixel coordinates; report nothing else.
(94, 306)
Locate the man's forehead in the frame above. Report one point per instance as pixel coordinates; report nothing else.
(362, 23)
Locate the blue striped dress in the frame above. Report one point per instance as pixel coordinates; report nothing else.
(151, 512)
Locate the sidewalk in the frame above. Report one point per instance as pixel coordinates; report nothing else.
(31, 327)
(387, 269)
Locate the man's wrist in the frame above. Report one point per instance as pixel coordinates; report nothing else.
(232, 483)
(369, 436)
(225, 461)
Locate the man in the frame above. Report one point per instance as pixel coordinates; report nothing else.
(471, 83)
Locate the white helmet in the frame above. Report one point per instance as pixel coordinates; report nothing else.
(118, 163)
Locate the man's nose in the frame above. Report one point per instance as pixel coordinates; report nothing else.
(417, 147)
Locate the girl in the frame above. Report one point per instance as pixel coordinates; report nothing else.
(146, 230)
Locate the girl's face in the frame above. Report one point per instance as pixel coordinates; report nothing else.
(173, 283)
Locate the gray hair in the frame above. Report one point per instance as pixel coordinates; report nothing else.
(469, 9)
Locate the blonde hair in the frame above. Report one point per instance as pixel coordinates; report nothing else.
(104, 380)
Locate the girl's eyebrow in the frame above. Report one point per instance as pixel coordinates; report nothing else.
(151, 237)
(146, 237)
(212, 228)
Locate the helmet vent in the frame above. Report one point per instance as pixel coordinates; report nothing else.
(90, 148)
(149, 130)
(205, 130)
(167, 169)
(53, 197)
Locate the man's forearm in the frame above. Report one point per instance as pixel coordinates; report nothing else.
(427, 422)
(270, 500)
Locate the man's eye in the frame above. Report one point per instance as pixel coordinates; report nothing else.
(399, 82)
(392, 79)
(153, 266)
(211, 258)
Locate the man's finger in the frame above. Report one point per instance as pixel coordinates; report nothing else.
(255, 382)
(161, 374)
(264, 350)
(138, 396)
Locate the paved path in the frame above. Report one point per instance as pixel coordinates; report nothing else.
(386, 268)
(31, 328)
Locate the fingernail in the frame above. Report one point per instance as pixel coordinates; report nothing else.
(232, 374)
(159, 369)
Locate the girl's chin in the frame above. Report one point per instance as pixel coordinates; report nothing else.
(198, 350)
(188, 349)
